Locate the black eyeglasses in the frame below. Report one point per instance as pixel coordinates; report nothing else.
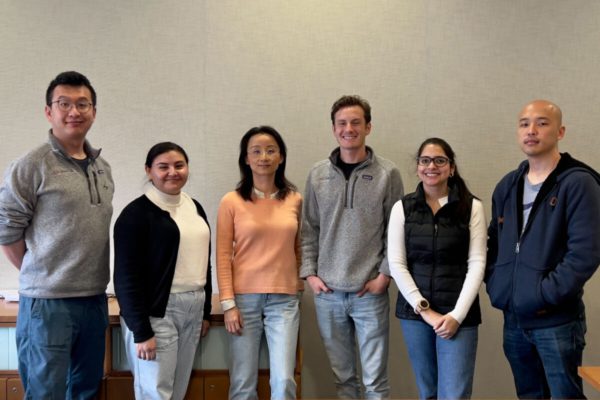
(438, 161)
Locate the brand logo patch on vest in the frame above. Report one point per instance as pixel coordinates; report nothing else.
(368, 177)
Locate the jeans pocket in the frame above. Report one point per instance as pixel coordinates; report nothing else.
(165, 332)
(579, 330)
(50, 323)
(102, 308)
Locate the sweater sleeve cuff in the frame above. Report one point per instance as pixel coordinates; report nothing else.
(458, 316)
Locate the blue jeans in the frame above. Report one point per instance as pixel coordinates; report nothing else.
(177, 337)
(345, 321)
(443, 368)
(278, 316)
(60, 344)
(544, 361)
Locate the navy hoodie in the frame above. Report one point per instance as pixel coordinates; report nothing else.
(536, 277)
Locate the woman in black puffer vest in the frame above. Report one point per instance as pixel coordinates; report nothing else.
(436, 249)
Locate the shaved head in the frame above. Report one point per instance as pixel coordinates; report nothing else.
(540, 129)
(549, 106)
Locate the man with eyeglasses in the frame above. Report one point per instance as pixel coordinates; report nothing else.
(544, 244)
(347, 205)
(55, 211)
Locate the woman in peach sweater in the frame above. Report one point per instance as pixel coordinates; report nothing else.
(257, 266)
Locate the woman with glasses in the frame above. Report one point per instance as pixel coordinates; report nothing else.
(436, 249)
(257, 266)
(162, 277)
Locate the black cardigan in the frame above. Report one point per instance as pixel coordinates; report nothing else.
(146, 245)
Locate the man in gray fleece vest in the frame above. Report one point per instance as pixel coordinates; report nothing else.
(344, 227)
(55, 211)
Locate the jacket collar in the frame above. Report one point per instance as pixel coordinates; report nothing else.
(452, 192)
(566, 165)
(334, 157)
(91, 152)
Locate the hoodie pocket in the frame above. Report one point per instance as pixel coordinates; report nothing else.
(499, 285)
(528, 299)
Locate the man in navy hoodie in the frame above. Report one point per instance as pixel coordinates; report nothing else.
(544, 244)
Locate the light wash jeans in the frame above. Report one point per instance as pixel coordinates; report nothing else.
(60, 343)
(544, 361)
(278, 316)
(345, 321)
(443, 368)
(177, 337)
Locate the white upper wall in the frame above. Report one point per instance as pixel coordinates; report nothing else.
(202, 72)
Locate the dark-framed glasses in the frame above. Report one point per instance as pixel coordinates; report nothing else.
(437, 161)
(66, 106)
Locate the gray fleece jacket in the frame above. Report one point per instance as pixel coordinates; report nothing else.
(344, 222)
(64, 218)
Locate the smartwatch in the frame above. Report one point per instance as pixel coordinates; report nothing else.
(422, 305)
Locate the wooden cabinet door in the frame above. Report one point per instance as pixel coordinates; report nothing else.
(2, 388)
(14, 389)
(195, 390)
(119, 388)
(216, 387)
(263, 387)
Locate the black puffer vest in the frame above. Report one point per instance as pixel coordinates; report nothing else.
(437, 249)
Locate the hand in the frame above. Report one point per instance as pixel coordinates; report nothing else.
(317, 285)
(446, 327)
(233, 321)
(376, 285)
(205, 327)
(15, 252)
(431, 317)
(146, 350)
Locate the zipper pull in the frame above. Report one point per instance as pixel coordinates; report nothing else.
(517, 248)
(435, 229)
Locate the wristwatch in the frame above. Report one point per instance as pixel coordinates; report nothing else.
(422, 305)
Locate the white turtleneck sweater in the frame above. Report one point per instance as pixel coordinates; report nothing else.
(194, 237)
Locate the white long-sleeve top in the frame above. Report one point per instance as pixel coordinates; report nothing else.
(475, 266)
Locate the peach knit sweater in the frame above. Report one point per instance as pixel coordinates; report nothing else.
(258, 245)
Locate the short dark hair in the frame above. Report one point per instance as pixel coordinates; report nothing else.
(350, 101)
(464, 194)
(161, 148)
(246, 183)
(69, 78)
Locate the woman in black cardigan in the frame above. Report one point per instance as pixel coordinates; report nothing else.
(163, 277)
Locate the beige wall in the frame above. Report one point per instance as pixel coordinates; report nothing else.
(202, 72)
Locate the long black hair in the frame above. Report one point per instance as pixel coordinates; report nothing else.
(455, 180)
(246, 183)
